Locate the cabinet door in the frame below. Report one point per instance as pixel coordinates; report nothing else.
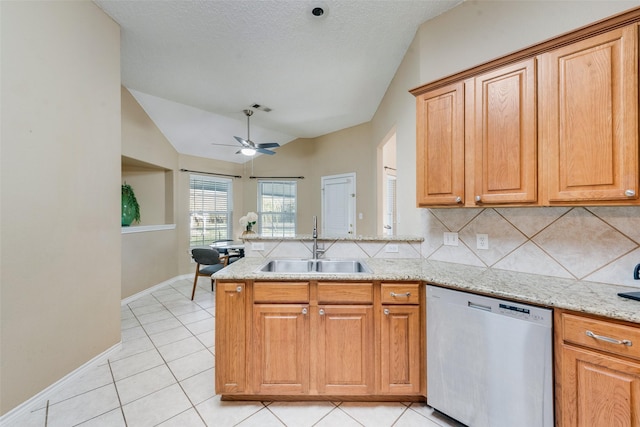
(598, 390)
(230, 338)
(400, 349)
(440, 146)
(504, 135)
(589, 118)
(345, 358)
(281, 348)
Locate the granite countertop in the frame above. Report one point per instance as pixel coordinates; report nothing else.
(581, 296)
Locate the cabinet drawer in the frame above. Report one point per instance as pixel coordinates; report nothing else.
(576, 330)
(400, 293)
(345, 293)
(281, 292)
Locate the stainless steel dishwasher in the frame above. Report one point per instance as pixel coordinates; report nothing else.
(489, 361)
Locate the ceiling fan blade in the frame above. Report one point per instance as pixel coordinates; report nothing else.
(224, 145)
(243, 141)
(263, 151)
(268, 145)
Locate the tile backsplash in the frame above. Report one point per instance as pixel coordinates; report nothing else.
(600, 244)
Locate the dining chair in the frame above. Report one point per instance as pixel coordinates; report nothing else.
(211, 261)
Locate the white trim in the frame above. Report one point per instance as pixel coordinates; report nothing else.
(145, 228)
(154, 288)
(36, 401)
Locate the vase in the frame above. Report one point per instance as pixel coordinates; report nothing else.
(128, 211)
(247, 234)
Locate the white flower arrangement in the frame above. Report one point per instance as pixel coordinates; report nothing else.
(249, 220)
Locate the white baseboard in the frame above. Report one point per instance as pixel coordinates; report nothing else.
(44, 395)
(154, 288)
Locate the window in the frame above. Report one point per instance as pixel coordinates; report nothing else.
(210, 209)
(277, 208)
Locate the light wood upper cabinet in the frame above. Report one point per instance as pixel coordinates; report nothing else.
(440, 146)
(503, 135)
(589, 119)
(476, 140)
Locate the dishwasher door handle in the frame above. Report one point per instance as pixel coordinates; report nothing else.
(478, 306)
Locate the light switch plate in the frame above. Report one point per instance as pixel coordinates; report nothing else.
(257, 246)
(450, 239)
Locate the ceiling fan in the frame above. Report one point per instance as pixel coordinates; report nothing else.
(250, 148)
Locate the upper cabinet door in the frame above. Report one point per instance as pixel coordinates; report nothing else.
(504, 135)
(589, 119)
(440, 146)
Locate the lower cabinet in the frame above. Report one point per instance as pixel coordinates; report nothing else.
(280, 349)
(597, 372)
(400, 360)
(231, 299)
(345, 364)
(319, 339)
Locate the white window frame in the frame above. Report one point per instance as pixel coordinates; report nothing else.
(273, 223)
(219, 212)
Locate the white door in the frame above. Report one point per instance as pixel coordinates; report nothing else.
(339, 205)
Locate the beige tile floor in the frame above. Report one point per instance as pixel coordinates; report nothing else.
(163, 376)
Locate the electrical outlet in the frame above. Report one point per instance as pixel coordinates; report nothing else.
(257, 246)
(450, 239)
(391, 248)
(482, 241)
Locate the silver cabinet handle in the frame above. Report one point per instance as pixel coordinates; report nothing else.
(304, 310)
(458, 199)
(628, 343)
(478, 199)
(629, 193)
(321, 312)
(406, 294)
(386, 311)
(239, 289)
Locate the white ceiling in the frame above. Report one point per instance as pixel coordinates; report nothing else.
(195, 65)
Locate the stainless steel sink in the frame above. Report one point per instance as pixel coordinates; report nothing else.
(288, 266)
(341, 266)
(327, 266)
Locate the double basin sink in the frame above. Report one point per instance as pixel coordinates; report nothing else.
(329, 266)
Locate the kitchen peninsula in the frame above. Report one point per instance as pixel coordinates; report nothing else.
(278, 335)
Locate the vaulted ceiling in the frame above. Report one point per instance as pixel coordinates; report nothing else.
(194, 66)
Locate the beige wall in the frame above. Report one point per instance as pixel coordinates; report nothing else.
(344, 151)
(148, 258)
(60, 173)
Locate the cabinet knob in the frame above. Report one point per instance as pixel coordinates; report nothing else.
(305, 310)
(629, 193)
(321, 312)
(386, 311)
(458, 199)
(239, 289)
(478, 199)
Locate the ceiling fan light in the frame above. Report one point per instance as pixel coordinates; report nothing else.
(248, 151)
